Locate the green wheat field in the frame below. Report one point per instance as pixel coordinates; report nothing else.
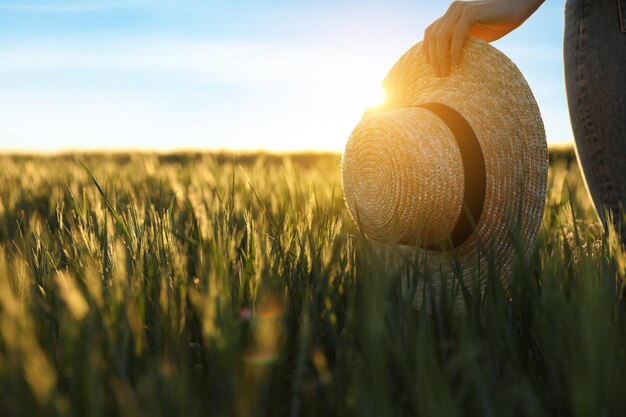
(237, 285)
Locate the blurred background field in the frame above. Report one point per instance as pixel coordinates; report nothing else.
(237, 285)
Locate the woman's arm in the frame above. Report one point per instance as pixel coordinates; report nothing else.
(485, 19)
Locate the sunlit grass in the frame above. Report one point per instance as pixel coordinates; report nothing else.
(200, 284)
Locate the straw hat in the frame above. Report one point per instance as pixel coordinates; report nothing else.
(452, 170)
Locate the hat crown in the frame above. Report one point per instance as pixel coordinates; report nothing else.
(403, 177)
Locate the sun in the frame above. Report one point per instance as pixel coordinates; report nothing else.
(375, 96)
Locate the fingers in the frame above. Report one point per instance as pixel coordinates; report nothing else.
(432, 52)
(444, 38)
(433, 45)
(458, 37)
(425, 45)
(443, 50)
(462, 28)
(429, 47)
(430, 44)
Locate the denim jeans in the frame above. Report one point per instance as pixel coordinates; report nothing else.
(594, 52)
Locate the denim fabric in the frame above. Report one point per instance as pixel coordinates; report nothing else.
(594, 52)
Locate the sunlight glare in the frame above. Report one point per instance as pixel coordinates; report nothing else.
(375, 97)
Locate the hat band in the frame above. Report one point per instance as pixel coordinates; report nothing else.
(473, 170)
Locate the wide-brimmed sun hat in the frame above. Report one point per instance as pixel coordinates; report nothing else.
(452, 170)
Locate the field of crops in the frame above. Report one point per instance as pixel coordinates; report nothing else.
(237, 285)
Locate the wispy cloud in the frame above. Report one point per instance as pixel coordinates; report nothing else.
(70, 6)
(220, 61)
(248, 73)
(278, 89)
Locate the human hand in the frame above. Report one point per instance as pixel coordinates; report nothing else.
(485, 19)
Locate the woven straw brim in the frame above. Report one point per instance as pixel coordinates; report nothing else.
(491, 94)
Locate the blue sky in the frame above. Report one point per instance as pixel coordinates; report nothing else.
(239, 74)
